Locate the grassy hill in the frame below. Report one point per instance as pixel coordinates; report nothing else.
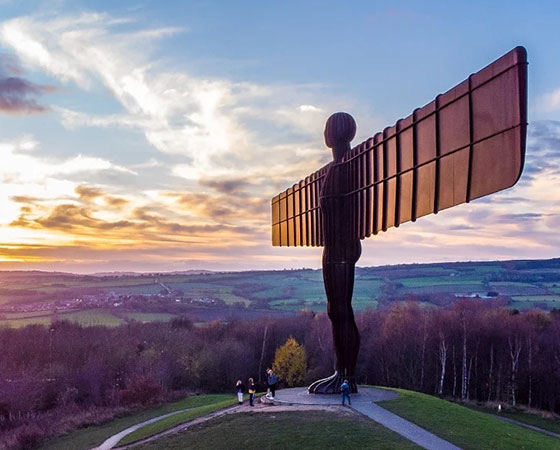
(298, 430)
(464, 427)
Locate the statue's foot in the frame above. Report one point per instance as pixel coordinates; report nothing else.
(331, 385)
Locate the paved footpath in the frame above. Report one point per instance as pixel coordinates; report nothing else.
(114, 440)
(364, 402)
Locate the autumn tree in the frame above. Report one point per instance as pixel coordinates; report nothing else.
(290, 363)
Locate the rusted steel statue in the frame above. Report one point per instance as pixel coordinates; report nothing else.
(467, 143)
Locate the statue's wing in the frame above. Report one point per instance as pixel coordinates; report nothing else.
(467, 143)
(296, 219)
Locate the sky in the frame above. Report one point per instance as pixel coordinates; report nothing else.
(151, 135)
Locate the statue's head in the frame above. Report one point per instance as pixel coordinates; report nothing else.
(340, 129)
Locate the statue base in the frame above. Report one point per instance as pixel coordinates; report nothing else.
(331, 385)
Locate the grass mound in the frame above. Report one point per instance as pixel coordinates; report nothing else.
(297, 430)
(464, 427)
(531, 417)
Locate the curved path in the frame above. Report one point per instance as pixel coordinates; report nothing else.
(114, 440)
(365, 402)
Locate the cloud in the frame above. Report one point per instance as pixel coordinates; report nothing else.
(16, 93)
(214, 152)
(226, 186)
(19, 166)
(549, 102)
(213, 123)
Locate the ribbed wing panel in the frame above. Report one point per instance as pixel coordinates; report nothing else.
(296, 218)
(467, 143)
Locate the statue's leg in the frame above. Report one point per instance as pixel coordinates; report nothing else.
(339, 285)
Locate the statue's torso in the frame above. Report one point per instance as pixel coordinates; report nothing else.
(340, 246)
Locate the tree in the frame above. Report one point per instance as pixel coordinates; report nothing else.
(290, 363)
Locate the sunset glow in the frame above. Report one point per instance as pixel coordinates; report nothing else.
(139, 138)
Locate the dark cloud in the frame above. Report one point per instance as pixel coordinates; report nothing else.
(16, 93)
(72, 217)
(143, 224)
(517, 218)
(116, 202)
(88, 193)
(25, 199)
(502, 200)
(461, 228)
(225, 207)
(226, 186)
(543, 149)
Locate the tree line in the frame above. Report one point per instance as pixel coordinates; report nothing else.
(472, 349)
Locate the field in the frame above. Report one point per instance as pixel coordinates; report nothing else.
(86, 318)
(466, 428)
(310, 430)
(150, 317)
(31, 297)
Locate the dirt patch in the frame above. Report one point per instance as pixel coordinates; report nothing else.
(268, 408)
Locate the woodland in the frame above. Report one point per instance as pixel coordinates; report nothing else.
(64, 376)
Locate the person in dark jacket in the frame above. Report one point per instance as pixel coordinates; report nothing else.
(272, 380)
(345, 390)
(252, 391)
(240, 388)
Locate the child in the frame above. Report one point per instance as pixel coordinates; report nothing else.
(240, 389)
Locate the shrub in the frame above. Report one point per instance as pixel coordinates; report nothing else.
(290, 363)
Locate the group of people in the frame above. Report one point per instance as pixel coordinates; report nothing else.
(271, 381)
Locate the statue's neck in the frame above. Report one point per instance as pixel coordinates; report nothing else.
(339, 150)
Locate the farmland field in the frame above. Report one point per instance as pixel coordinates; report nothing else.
(87, 318)
(521, 284)
(435, 281)
(92, 318)
(18, 323)
(150, 317)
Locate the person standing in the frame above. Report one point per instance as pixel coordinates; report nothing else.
(272, 380)
(252, 390)
(345, 389)
(240, 389)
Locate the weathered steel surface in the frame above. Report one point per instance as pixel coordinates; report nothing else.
(341, 251)
(467, 143)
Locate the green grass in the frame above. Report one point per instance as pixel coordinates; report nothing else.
(361, 303)
(177, 419)
(537, 298)
(150, 317)
(528, 301)
(512, 284)
(26, 315)
(466, 428)
(530, 418)
(87, 318)
(19, 323)
(93, 317)
(438, 281)
(92, 436)
(297, 430)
